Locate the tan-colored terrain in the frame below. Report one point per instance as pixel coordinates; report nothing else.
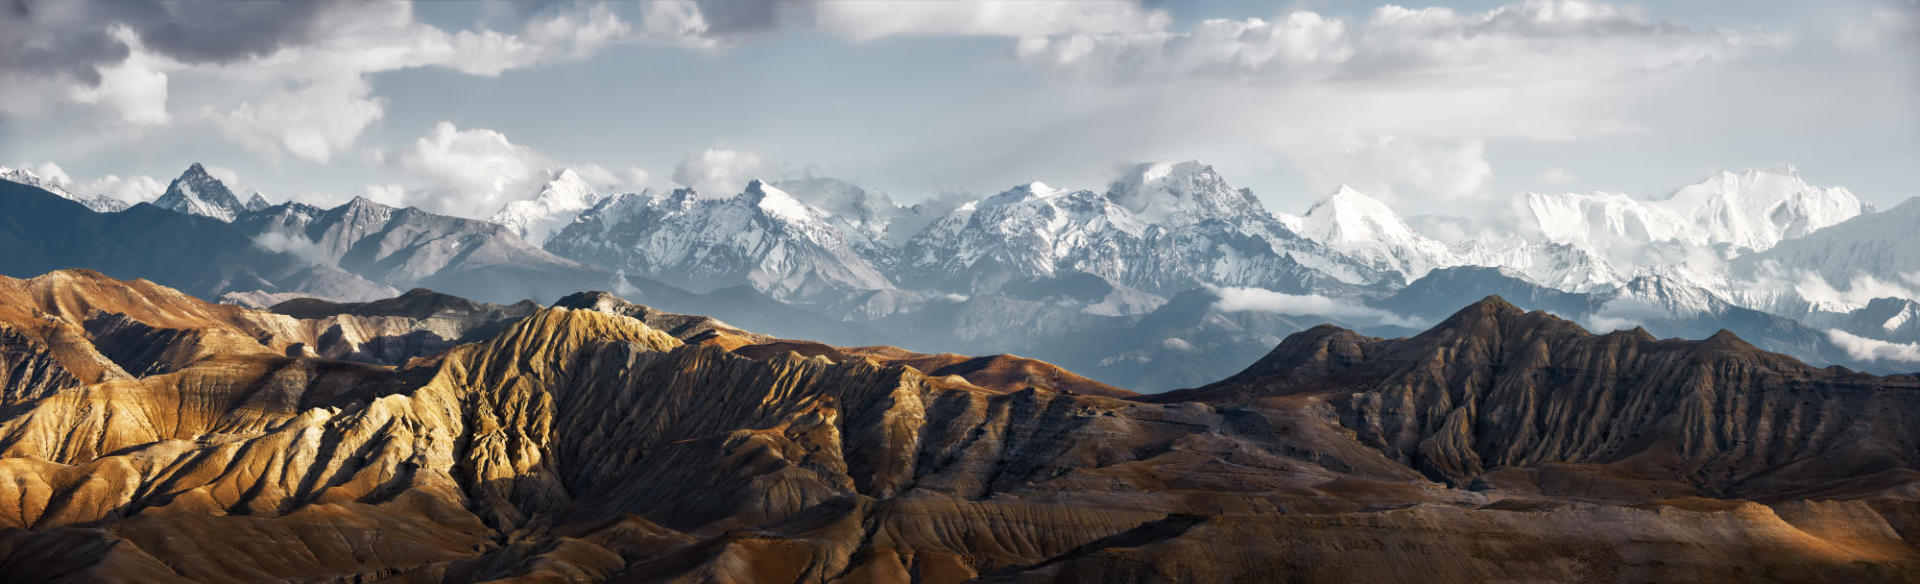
(592, 443)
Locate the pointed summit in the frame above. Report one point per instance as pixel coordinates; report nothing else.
(257, 202)
(198, 193)
(1349, 215)
(778, 204)
(562, 198)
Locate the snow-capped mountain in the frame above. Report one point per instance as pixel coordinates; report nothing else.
(408, 247)
(1750, 210)
(559, 201)
(257, 202)
(1876, 245)
(198, 193)
(1363, 228)
(859, 212)
(98, 203)
(762, 237)
(1181, 194)
(1162, 228)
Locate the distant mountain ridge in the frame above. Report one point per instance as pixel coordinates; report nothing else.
(1036, 267)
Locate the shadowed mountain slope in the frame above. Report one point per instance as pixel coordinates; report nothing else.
(1496, 387)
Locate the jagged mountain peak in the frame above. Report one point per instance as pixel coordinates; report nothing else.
(1180, 193)
(778, 204)
(1021, 193)
(560, 199)
(197, 192)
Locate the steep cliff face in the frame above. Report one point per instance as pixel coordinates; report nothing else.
(604, 441)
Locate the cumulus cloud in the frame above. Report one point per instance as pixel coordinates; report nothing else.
(1539, 41)
(719, 172)
(1236, 299)
(295, 73)
(472, 172)
(1865, 349)
(310, 122)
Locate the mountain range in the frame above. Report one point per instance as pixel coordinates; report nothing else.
(150, 436)
(1180, 276)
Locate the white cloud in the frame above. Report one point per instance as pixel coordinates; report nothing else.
(1857, 293)
(1376, 165)
(1235, 299)
(1556, 176)
(872, 20)
(132, 189)
(472, 172)
(1866, 349)
(718, 172)
(1539, 41)
(310, 122)
(294, 77)
(469, 172)
(135, 88)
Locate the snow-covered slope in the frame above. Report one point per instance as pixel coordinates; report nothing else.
(559, 200)
(1750, 210)
(1184, 193)
(198, 193)
(1363, 228)
(762, 237)
(1162, 228)
(1883, 246)
(98, 203)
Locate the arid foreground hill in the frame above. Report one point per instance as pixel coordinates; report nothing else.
(151, 437)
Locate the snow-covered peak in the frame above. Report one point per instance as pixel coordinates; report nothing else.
(1180, 193)
(778, 204)
(198, 193)
(1349, 216)
(1365, 229)
(30, 178)
(257, 202)
(560, 199)
(1749, 210)
(1026, 192)
(569, 190)
(58, 186)
(1755, 209)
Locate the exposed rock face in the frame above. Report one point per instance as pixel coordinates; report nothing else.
(584, 444)
(198, 193)
(1494, 387)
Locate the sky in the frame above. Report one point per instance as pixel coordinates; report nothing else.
(1448, 108)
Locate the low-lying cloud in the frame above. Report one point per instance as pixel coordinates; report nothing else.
(1865, 349)
(1237, 299)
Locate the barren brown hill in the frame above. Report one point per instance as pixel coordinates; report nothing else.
(588, 445)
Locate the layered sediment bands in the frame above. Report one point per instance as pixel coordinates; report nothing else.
(586, 444)
(28, 368)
